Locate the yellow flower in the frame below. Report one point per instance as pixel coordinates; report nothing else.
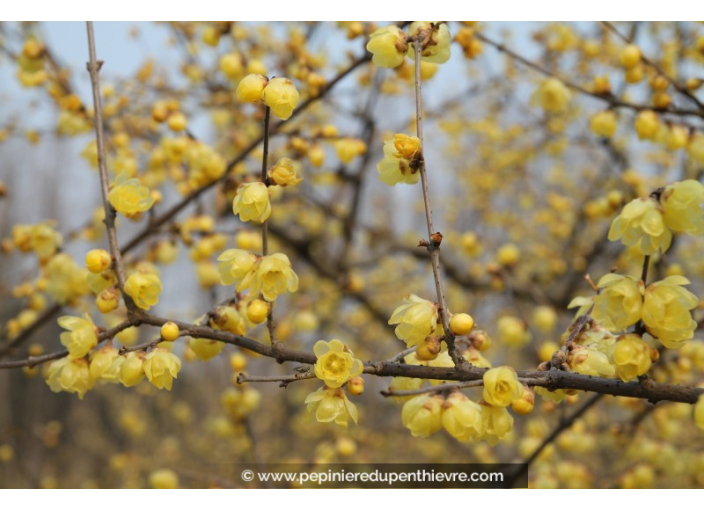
(388, 46)
(349, 148)
(400, 163)
(404, 384)
(512, 331)
(462, 418)
(251, 202)
(699, 412)
(590, 361)
(647, 125)
(66, 281)
(417, 319)
(641, 225)
(603, 124)
(69, 375)
(552, 96)
(497, 423)
(422, 415)
(501, 386)
(163, 479)
(630, 355)
(682, 204)
(273, 276)
(336, 364)
(81, 336)
(105, 365)
(331, 404)
(129, 197)
(666, 311)
(695, 148)
(437, 47)
(161, 367)
(619, 303)
(132, 369)
(144, 289)
(281, 96)
(234, 266)
(204, 348)
(250, 88)
(284, 173)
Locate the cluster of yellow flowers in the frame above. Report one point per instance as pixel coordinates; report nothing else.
(390, 45)
(648, 223)
(466, 420)
(82, 369)
(279, 94)
(336, 366)
(270, 275)
(663, 306)
(41, 238)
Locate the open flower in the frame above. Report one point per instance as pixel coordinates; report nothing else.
(630, 355)
(417, 319)
(682, 204)
(335, 364)
(81, 336)
(641, 225)
(283, 173)
(129, 197)
(501, 386)
(105, 365)
(234, 266)
(497, 423)
(69, 375)
(331, 404)
(273, 276)
(251, 203)
(435, 39)
(462, 418)
(388, 46)
(422, 415)
(401, 160)
(619, 303)
(666, 311)
(161, 367)
(144, 289)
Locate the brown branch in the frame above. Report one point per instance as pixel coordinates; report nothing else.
(561, 427)
(681, 89)
(434, 238)
(613, 101)
(26, 333)
(177, 208)
(38, 360)
(265, 225)
(94, 69)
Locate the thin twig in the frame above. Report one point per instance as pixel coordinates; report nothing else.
(681, 89)
(94, 69)
(244, 378)
(33, 361)
(434, 238)
(613, 101)
(265, 225)
(561, 427)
